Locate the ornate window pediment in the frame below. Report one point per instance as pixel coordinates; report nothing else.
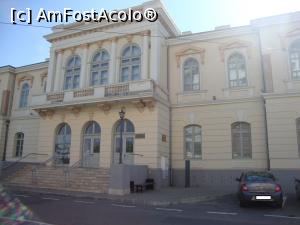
(191, 51)
(26, 77)
(237, 44)
(288, 37)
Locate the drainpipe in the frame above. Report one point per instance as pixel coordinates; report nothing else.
(170, 124)
(5, 140)
(264, 102)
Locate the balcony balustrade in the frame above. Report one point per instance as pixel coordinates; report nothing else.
(114, 92)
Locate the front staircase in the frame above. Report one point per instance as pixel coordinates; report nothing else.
(59, 178)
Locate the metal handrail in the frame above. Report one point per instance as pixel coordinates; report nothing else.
(22, 158)
(80, 161)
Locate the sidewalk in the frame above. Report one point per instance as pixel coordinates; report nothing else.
(161, 197)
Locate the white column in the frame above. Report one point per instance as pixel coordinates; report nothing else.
(155, 55)
(113, 62)
(51, 69)
(145, 57)
(58, 74)
(83, 72)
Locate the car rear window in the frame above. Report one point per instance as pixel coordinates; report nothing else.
(259, 177)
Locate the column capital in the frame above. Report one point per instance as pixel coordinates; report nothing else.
(59, 51)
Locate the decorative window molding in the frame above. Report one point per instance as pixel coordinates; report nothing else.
(190, 51)
(191, 74)
(28, 78)
(241, 140)
(43, 78)
(19, 142)
(235, 45)
(288, 37)
(193, 142)
(130, 63)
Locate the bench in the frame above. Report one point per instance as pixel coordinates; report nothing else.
(148, 185)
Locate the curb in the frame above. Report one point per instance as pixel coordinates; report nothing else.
(119, 199)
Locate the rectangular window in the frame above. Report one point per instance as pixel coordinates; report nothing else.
(193, 142)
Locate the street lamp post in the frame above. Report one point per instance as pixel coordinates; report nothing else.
(122, 115)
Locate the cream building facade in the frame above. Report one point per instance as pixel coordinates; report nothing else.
(226, 100)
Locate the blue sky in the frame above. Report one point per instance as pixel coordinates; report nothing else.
(25, 45)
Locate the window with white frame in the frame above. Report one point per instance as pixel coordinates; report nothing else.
(193, 142)
(241, 140)
(191, 75)
(19, 141)
(100, 68)
(24, 95)
(294, 52)
(237, 74)
(131, 63)
(72, 73)
(298, 134)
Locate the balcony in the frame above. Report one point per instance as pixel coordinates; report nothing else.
(110, 93)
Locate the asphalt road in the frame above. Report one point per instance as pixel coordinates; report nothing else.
(63, 210)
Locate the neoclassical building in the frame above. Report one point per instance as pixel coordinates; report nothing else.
(225, 100)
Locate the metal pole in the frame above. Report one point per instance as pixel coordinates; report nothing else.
(121, 140)
(5, 140)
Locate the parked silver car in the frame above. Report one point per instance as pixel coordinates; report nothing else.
(297, 187)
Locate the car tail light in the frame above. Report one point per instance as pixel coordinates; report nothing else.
(277, 188)
(244, 187)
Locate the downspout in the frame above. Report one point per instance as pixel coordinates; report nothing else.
(264, 103)
(5, 139)
(170, 123)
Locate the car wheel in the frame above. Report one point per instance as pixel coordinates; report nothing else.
(243, 203)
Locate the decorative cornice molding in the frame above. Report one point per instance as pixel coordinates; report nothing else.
(106, 107)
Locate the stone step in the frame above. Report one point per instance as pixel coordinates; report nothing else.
(79, 179)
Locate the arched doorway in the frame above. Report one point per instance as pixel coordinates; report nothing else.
(127, 142)
(91, 145)
(62, 144)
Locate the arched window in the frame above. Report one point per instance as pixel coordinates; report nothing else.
(100, 68)
(126, 143)
(298, 134)
(193, 142)
(72, 75)
(191, 75)
(131, 63)
(19, 141)
(91, 144)
(62, 144)
(295, 60)
(237, 71)
(241, 140)
(24, 95)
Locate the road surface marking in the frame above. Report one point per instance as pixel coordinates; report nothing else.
(222, 213)
(168, 209)
(23, 220)
(54, 199)
(24, 196)
(279, 216)
(124, 206)
(85, 202)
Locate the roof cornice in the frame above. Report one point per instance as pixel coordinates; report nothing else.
(214, 34)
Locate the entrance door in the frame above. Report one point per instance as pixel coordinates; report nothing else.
(127, 149)
(91, 145)
(127, 143)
